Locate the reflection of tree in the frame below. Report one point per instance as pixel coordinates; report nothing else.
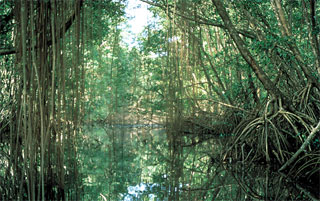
(168, 170)
(109, 163)
(192, 173)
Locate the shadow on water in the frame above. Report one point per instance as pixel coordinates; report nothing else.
(141, 162)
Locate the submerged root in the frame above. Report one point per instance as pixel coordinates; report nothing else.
(289, 140)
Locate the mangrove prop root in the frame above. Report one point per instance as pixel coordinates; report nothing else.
(302, 148)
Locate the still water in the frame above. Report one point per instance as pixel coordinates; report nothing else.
(147, 162)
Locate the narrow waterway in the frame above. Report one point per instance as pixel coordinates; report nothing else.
(145, 162)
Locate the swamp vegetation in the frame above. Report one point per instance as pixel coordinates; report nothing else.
(218, 100)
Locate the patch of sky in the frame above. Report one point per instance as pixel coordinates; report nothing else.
(138, 17)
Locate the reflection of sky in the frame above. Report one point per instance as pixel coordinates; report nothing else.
(139, 16)
(135, 192)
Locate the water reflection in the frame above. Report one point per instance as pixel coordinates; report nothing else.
(140, 191)
(148, 163)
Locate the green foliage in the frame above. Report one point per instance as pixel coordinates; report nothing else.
(102, 17)
(186, 70)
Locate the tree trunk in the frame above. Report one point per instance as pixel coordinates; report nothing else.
(262, 76)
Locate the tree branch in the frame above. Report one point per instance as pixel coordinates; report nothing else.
(7, 51)
(303, 147)
(201, 20)
(245, 53)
